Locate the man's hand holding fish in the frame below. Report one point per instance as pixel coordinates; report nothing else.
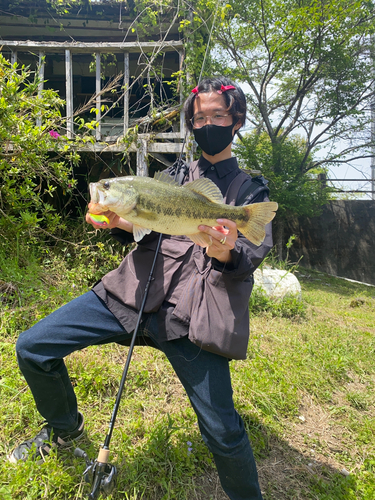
(114, 220)
(221, 246)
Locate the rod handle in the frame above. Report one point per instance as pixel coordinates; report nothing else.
(103, 456)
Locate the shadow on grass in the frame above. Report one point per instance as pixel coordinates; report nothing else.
(287, 474)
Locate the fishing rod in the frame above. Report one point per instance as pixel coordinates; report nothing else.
(101, 474)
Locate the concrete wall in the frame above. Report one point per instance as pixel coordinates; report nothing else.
(341, 241)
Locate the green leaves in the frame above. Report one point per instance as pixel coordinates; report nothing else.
(288, 167)
(307, 67)
(31, 161)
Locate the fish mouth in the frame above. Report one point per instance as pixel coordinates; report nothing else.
(95, 193)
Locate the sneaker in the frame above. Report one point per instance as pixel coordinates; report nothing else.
(40, 446)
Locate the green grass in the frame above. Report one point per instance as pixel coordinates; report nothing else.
(305, 392)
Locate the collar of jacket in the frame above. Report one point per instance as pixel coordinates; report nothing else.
(222, 168)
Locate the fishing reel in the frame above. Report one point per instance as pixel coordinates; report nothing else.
(99, 473)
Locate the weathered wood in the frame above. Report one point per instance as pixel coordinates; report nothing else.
(165, 147)
(98, 133)
(90, 47)
(182, 112)
(164, 135)
(190, 149)
(13, 57)
(142, 167)
(41, 82)
(41, 71)
(170, 147)
(167, 135)
(69, 93)
(126, 91)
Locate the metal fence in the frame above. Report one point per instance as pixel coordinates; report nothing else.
(324, 179)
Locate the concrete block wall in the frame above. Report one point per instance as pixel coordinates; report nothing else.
(340, 241)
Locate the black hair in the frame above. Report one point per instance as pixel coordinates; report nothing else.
(234, 98)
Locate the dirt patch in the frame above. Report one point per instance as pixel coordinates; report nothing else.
(283, 472)
(316, 436)
(208, 487)
(311, 447)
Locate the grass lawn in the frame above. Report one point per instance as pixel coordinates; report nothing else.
(305, 392)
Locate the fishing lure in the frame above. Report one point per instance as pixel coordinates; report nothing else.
(99, 220)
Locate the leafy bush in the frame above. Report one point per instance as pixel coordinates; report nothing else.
(297, 192)
(34, 159)
(32, 286)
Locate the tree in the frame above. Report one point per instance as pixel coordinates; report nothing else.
(308, 69)
(297, 193)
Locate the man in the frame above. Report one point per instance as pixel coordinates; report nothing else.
(188, 280)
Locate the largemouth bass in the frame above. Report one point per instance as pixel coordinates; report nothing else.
(162, 205)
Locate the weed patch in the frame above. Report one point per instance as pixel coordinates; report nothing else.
(287, 307)
(305, 393)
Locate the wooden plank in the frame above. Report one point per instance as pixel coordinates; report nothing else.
(70, 28)
(190, 149)
(69, 93)
(90, 47)
(120, 148)
(182, 112)
(164, 147)
(167, 135)
(142, 167)
(98, 133)
(41, 82)
(126, 91)
(63, 22)
(162, 135)
(41, 71)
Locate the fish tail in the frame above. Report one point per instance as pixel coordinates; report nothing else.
(259, 214)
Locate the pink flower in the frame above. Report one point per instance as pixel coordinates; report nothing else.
(54, 134)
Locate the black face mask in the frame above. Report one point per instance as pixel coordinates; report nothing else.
(213, 139)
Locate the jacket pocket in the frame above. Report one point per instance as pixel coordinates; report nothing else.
(217, 310)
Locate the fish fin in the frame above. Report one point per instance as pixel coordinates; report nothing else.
(205, 187)
(139, 232)
(166, 178)
(201, 239)
(259, 215)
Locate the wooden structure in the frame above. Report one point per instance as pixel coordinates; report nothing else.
(73, 60)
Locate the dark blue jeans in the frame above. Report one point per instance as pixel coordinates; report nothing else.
(205, 376)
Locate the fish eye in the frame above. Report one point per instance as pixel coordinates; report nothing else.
(106, 185)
